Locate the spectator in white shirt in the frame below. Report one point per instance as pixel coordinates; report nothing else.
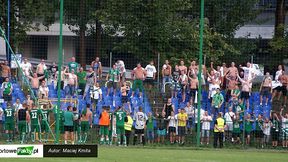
(26, 67)
(151, 75)
(43, 90)
(284, 120)
(195, 115)
(121, 67)
(189, 112)
(172, 127)
(1, 122)
(205, 130)
(229, 116)
(96, 96)
(266, 131)
(17, 105)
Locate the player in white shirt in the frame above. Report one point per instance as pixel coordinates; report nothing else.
(26, 67)
(140, 119)
(205, 130)
(172, 127)
(284, 120)
(229, 116)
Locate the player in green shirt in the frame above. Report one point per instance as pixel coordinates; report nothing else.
(73, 65)
(35, 115)
(45, 128)
(9, 113)
(120, 121)
(248, 128)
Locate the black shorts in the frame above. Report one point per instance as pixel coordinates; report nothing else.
(124, 99)
(111, 84)
(258, 134)
(245, 95)
(69, 128)
(228, 95)
(139, 131)
(193, 92)
(274, 135)
(278, 89)
(7, 97)
(247, 134)
(181, 131)
(265, 91)
(284, 90)
(172, 130)
(149, 81)
(183, 87)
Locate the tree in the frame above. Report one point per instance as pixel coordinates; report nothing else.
(280, 19)
(23, 14)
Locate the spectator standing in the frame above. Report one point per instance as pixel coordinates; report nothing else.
(73, 65)
(275, 129)
(245, 91)
(121, 67)
(68, 125)
(182, 67)
(161, 127)
(62, 78)
(6, 71)
(183, 80)
(29, 102)
(206, 119)
(43, 90)
(166, 74)
(138, 75)
(90, 80)
(72, 82)
(168, 108)
(229, 116)
(53, 71)
(265, 89)
(17, 105)
(151, 75)
(219, 129)
(140, 119)
(150, 128)
(7, 89)
(40, 69)
(81, 75)
(190, 112)
(175, 82)
(193, 88)
(97, 68)
(172, 127)
(267, 132)
(35, 82)
(182, 118)
(113, 78)
(1, 122)
(217, 101)
(214, 83)
(193, 69)
(26, 67)
(277, 89)
(259, 129)
(128, 127)
(236, 129)
(96, 96)
(232, 72)
(195, 115)
(248, 128)
(284, 120)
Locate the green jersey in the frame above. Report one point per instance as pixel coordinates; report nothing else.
(81, 77)
(68, 118)
(236, 126)
(7, 86)
(217, 99)
(259, 125)
(73, 66)
(9, 115)
(236, 92)
(35, 114)
(120, 118)
(240, 109)
(114, 73)
(150, 123)
(45, 114)
(248, 125)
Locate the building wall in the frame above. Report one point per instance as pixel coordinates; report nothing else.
(2, 47)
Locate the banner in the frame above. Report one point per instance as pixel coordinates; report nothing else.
(70, 150)
(21, 151)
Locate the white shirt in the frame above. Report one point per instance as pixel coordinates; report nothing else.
(183, 78)
(248, 72)
(228, 117)
(121, 66)
(172, 121)
(205, 123)
(26, 67)
(196, 114)
(151, 70)
(284, 123)
(1, 114)
(140, 120)
(278, 74)
(43, 90)
(18, 106)
(266, 128)
(189, 111)
(95, 92)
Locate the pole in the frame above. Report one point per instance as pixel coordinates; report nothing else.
(60, 58)
(200, 71)
(110, 59)
(158, 70)
(8, 57)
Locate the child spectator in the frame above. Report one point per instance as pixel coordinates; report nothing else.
(161, 127)
(172, 127)
(266, 131)
(150, 128)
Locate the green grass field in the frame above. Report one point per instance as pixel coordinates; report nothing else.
(137, 154)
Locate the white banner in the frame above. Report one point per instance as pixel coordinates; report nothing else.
(21, 151)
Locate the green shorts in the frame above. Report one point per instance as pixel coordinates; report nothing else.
(120, 130)
(35, 128)
(9, 126)
(104, 130)
(61, 127)
(85, 126)
(44, 127)
(137, 84)
(76, 127)
(22, 126)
